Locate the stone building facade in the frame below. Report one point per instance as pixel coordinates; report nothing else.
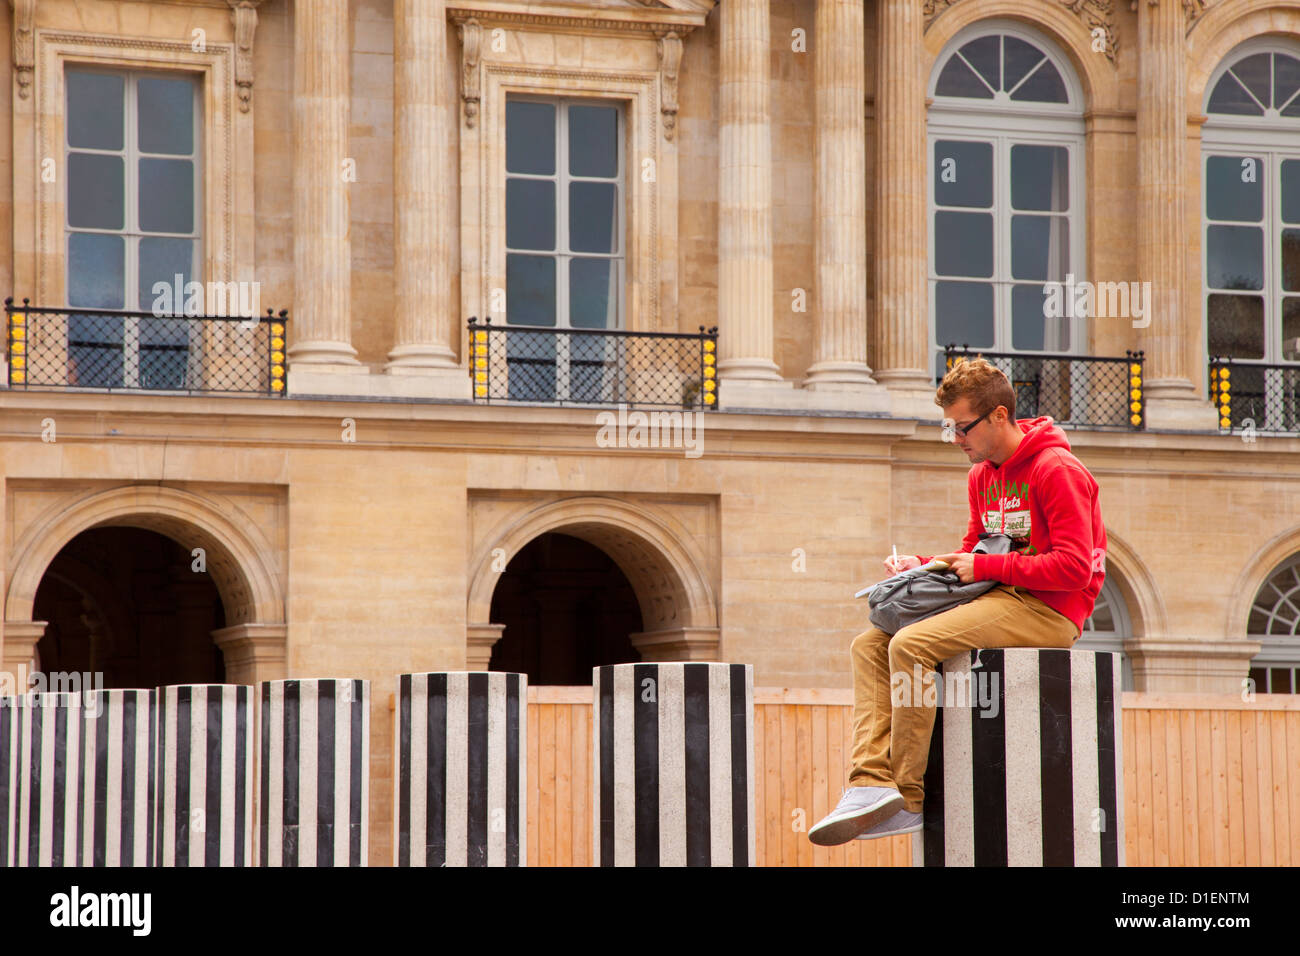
(841, 188)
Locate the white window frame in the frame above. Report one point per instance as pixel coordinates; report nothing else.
(1265, 137)
(130, 231)
(1004, 123)
(1112, 641)
(614, 351)
(1280, 651)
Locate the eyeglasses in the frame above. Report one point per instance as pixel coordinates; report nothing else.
(963, 430)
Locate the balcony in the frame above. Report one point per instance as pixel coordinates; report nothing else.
(557, 366)
(1254, 399)
(121, 351)
(1076, 391)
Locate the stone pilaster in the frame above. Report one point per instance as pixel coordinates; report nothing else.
(1173, 340)
(424, 201)
(840, 300)
(745, 290)
(322, 252)
(253, 652)
(18, 649)
(901, 315)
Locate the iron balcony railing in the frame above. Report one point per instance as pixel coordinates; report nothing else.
(119, 350)
(1255, 399)
(513, 363)
(1081, 391)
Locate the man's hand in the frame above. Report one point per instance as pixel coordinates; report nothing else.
(904, 562)
(962, 563)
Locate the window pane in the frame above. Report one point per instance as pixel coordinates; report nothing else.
(1040, 178)
(1234, 188)
(958, 79)
(963, 244)
(96, 271)
(530, 138)
(593, 217)
(963, 313)
(96, 190)
(592, 296)
(166, 115)
(1286, 79)
(963, 173)
(1291, 260)
(1290, 190)
(530, 214)
(1043, 86)
(94, 109)
(1031, 329)
(161, 260)
(593, 141)
(1040, 247)
(1253, 72)
(1021, 57)
(1231, 97)
(1291, 328)
(1235, 257)
(1235, 325)
(530, 290)
(985, 55)
(166, 195)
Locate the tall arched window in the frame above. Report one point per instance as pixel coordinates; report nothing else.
(1107, 628)
(1251, 215)
(1275, 622)
(1005, 191)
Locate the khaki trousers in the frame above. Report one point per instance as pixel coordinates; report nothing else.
(891, 744)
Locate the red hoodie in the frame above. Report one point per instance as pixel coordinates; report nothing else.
(1045, 499)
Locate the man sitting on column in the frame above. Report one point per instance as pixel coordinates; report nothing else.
(1025, 483)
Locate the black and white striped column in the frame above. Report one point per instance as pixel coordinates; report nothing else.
(46, 762)
(1025, 764)
(118, 785)
(673, 767)
(461, 769)
(315, 773)
(8, 778)
(205, 775)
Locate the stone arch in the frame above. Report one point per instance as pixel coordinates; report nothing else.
(678, 606)
(238, 558)
(1096, 74)
(1224, 27)
(1254, 573)
(1146, 608)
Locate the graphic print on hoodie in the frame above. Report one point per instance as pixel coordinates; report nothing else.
(1047, 502)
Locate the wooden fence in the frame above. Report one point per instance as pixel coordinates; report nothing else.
(1208, 780)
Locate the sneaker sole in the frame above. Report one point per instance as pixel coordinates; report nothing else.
(917, 828)
(845, 828)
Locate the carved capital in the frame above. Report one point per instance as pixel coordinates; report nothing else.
(244, 13)
(670, 61)
(24, 45)
(471, 38)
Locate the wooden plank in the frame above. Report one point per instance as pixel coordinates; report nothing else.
(804, 794)
(534, 835)
(824, 696)
(1190, 808)
(1236, 790)
(1159, 791)
(582, 783)
(1205, 818)
(1293, 781)
(1222, 785)
(1174, 783)
(789, 793)
(560, 694)
(1249, 789)
(818, 803)
(771, 782)
(1132, 700)
(1128, 727)
(836, 775)
(564, 785)
(1263, 777)
(1142, 818)
(1277, 809)
(546, 786)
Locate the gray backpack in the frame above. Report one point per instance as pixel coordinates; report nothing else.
(914, 595)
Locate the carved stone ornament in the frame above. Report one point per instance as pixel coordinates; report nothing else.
(1095, 14)
(244, 13)
(24, 47)
(471, 37)
(670, 61)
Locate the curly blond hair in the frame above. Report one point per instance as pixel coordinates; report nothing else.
(983, 384)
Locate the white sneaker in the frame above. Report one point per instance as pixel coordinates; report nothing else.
(904, 821)
(860, 808)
